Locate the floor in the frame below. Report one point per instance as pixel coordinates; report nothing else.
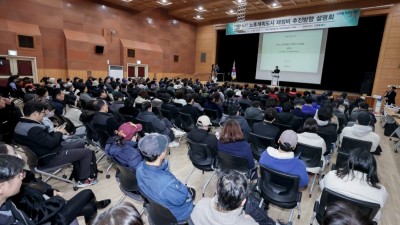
(388, 170)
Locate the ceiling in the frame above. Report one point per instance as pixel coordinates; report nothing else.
(216, 10)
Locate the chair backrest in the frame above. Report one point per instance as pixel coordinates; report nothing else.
(328, 197)
(212, 114)
(102, 135)
(251, 122)
(259, 143)
(127, 178)
(166, 113)
(178, 105)
(156, 111)
(200, 155)
(244, 106)
(91, 134)
(279, 188)
(187, 123)
(147, 126)
(282, 126)
(311, 155)
(349, 144)
(138, 106)
(341, 159)
(227, 161)
(327, 138)
(159, 214)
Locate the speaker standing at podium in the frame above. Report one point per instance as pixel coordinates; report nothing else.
(277, 71)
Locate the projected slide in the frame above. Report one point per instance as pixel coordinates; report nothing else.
(299, 55)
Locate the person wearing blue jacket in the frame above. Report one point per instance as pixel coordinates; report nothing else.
(156, 181)
(283, 160)
(123, 147)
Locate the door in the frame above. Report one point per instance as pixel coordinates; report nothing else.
(22, 66)
(138, 70)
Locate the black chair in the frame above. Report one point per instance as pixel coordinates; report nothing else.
(138, 106)
(167, 114)
(156, 111)
(230, 162)
(244, 106)
(178, 105)
(128, 183)
(329, 140)
(328, 197)
(341, 159)
(202, 159)
(147, 126)
(213, 115)
(311, 156)
(348, 144)
(282, 126)
(280, 189)
(259, 143)
(251, 122)
(33, 164)
(158, 213)
(187, 123)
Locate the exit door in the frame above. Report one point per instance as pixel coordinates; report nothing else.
(138, 70)
(22, 66)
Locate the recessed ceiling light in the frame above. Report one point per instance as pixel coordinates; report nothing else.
(231, 12)
(164, 2)
(200, 9)
(126, 0)
(275, 5)
(103, 6)
(198, 17)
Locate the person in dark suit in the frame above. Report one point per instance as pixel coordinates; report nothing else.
(391, 96)
(277, 70)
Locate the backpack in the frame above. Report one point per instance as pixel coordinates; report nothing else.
(93, 169)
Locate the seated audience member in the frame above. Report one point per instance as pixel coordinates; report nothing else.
(102, 119)
(162, 126)
(9, 117)
(210, 104)
(245, 99)
(123, 148)
(124, 214)
(142, 97)
(283, 160)
(342, 213)
(173, 110)
(254, 112)
(230, 205)
(47, 146)
(44, 204)
(11, 175)
(299, 113)
(58, 97)
(128, 108)
(234, 114)
(230, 99)
(179, 97)
(310, 137)
(363, 108)
(231, 141)
(362, 131)
(307, 108)
(358, 179)
(190, 109)
(298, 99)
(339, 112)
(286, 117)
(323, 118)
(157, 182)
(201, 134)
(49, 112)
(115, 93)
(73, 113)
(266, 127)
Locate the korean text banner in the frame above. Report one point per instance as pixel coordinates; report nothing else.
(341, 18)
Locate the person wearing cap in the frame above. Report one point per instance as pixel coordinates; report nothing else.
(123, 148)
(156, 181)
(201, 134)
(234, 114)
(283, 160)
(362, 130)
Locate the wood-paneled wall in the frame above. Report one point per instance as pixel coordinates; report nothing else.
(206, 42)
(388, 69)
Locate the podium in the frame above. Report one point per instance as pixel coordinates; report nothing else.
(275, 79)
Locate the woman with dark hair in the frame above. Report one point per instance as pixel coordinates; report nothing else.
(125, 214)
(341, 213)
(231, 141)
(358, 179)
(310, 137)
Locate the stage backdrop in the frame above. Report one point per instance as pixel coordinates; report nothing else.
(351, 56)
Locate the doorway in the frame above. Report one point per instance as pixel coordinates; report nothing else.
(138, 70)
(18, 65)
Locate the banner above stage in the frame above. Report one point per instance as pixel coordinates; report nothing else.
(340, 18)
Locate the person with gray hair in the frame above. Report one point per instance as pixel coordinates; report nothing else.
(232, 204)
(156, 181)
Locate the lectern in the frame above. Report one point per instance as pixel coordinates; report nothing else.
(275, 79)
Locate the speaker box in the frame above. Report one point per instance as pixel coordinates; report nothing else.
(99, 49)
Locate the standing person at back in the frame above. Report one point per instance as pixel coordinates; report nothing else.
(391, 96)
